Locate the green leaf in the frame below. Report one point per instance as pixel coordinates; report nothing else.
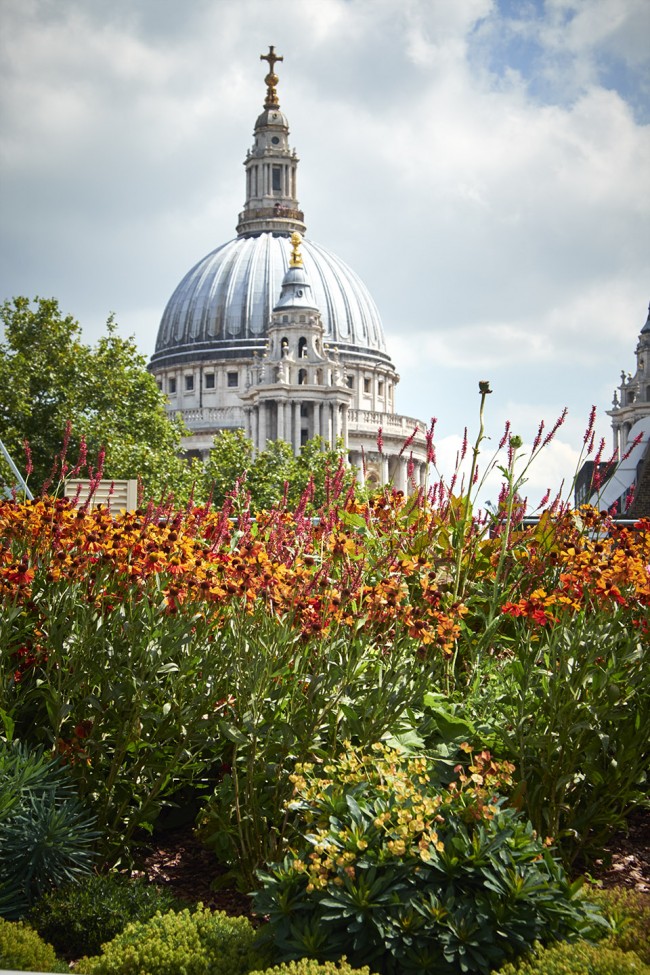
(232, 733)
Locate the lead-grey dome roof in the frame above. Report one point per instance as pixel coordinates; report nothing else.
(222, 307)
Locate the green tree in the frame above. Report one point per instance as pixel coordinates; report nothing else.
(323, 465)
(232, 456)
(271, 470)
(50, 378)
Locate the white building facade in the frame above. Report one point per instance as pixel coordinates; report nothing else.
(273, 334)
(632, 398)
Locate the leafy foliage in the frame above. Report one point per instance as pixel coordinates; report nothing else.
(294, 703)
(121, 694)
(47, 834)
(51, 381)
(307, 966)
(78, 918)
(570, 706)
(578, 959)
(408, 876)
(198, 943)
(628, 913)
(275, 476)
(22, 949)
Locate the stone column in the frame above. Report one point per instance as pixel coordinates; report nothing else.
(318, 412)
(262, 427)
(326, 423)
(296, 428)
(344, 433)
(335, 421)
(280, 409)
(402, 479)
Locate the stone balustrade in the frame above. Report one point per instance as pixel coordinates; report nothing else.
(392, 424)
(212, 417)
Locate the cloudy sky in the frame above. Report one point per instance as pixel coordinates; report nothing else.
(484, 166)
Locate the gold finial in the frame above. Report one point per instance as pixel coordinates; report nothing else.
(296, 256)
(271, 100)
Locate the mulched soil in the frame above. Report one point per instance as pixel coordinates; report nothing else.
(626, 859)
(178, 862)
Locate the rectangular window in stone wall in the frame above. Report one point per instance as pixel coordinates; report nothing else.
(233, 379)
(189, 383)
(209, 380)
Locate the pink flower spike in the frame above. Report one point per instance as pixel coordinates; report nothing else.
(558, 423)
(463, 449)
(29, 467)
(409, 440)
(589, 432)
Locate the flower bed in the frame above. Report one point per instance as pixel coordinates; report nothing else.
(199, 657)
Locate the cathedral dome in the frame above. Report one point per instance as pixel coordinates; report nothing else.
(274, 335)
(222, 307)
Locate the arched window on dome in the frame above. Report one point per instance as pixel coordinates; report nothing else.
(284, 345)
(302, 348)
(302, 377)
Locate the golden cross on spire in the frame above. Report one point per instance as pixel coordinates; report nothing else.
(271, 80)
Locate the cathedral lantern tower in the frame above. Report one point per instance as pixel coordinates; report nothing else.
(274, 334)
(271, 168)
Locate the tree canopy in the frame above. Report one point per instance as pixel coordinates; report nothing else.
(57, 393)
(51, 381)
(275, 473)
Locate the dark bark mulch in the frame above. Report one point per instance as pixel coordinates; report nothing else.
(179, 863)
(626, 859)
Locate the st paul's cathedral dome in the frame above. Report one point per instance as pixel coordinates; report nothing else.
(273, 333)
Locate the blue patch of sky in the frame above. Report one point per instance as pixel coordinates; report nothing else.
(508, 41)
(632, 85)
(503, 45)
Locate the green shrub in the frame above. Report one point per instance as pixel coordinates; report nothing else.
(410, 877)
(78, 918)
(628, 912)
(307, 966)
(569, 705)
(578, 959)
(22, 949)
(183, 943)
(47, 834)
